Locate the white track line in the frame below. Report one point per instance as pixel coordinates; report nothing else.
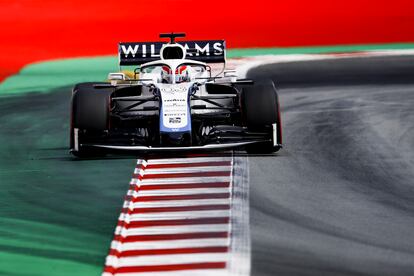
(178, 203)
(186, 170)
(181, 180)
(157, 230)
(180, 191)
(248, 63)
(188, 160)
(239, 263)
(196, 272)
(170, 244)
(168, 259)
(174, 215)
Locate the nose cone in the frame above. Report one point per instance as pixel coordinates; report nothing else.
(178, 139)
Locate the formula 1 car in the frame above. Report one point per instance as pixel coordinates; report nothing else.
(172, 102)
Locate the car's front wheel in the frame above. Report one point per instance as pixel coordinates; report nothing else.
(261, 113)
(89, 117)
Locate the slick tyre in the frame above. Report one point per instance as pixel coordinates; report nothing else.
(260, 112)
(89, 116)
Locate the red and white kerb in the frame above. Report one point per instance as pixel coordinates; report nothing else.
(176, 219)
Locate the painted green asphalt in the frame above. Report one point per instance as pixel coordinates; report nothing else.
(57, 214)
(43, 76)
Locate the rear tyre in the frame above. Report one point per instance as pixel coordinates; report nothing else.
(261, 113)
(90, 117)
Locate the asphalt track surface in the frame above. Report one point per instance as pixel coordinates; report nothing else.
(337, 200)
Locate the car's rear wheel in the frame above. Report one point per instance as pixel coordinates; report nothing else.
(261, 113)
(89, 117)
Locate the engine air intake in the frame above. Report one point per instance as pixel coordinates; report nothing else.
(171, 51)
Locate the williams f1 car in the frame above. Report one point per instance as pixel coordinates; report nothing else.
(173, 102)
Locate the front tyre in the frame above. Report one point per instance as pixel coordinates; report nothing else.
(261, 113)
(89, 117)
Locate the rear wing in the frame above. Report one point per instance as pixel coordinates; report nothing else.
(137, 53)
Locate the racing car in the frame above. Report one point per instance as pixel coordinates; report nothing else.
(172, 101)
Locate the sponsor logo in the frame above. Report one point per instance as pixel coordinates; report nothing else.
(152, 49)
(175, 114)
(142, 50)
(175, 120)
(174, 89)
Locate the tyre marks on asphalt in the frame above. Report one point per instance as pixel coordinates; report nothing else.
(184, 216)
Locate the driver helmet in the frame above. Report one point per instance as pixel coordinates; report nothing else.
(182, 74)
(166, 74)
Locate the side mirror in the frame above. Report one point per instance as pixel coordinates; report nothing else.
(230, 73)
(116, 76)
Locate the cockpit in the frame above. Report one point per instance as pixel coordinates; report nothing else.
(174, 73)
